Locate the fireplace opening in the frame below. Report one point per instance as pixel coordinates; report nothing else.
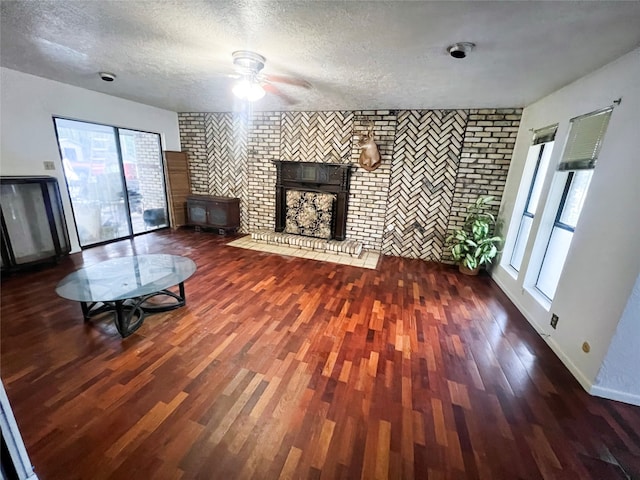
(309, 213)
(312, 198)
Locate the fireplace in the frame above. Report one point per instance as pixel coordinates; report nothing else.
(300, 180)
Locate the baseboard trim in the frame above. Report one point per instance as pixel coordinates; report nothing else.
(575, 371)
(612, 394)
(519, 306)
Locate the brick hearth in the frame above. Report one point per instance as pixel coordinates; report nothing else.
(352, 248)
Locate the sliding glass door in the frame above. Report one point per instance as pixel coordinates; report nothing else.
(115, 179)
(144, 177)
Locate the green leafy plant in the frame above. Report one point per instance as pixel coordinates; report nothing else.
(475, 245)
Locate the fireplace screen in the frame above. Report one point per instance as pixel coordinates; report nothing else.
(309, 213)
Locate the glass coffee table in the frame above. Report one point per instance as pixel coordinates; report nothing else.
(125, 285)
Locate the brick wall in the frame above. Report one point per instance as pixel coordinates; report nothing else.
(434, 163)
(148, 162)
(369, 190)
(263, 146)
(423, 175)
(193, 142)
(226, 150)
(484, 160)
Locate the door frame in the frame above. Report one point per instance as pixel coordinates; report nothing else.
(116, 130)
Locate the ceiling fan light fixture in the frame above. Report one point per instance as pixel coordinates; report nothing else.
(249, 90)
(248, 62)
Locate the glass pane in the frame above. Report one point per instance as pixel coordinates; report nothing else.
(144, 175)
(539, 178)
(575, 197)
(197, 213)
(27, 223)
(57, 217)
(532, 159)
(521, 242)
(553, 261)
(92, 168)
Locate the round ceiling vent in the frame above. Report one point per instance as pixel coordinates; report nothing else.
(460, 49)
(107, 77)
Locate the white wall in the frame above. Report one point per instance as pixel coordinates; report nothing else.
(27, 135)
(618, 378)
(603, 262)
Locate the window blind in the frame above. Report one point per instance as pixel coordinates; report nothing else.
(544, 135)
(585, 140)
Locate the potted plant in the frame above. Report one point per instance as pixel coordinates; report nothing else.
(474, 244)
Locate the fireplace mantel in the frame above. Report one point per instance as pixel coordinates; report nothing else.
(314, 177)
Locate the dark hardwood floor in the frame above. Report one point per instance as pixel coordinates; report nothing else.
(283, 367)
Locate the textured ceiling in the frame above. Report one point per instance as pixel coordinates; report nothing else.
(356, 55)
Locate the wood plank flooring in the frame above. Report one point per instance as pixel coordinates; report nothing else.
(291, 368)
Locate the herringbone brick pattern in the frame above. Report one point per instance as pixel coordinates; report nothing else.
(484, 161)
(316, 136)
(423, 175)
(222, 159)
(213, 125)
(239, 132)
(428, 176)
(226, 140)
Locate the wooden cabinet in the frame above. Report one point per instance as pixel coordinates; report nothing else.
(221, 213)
(178, 186)
(33, 225)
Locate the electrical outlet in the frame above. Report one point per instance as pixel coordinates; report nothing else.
(49, 166)
(554, 320)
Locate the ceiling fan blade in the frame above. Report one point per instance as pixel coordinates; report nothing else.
(298, 82)
(276, 91)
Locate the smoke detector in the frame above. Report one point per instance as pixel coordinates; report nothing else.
(460, 49)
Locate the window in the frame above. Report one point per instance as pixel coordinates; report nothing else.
(579, 159)
(115, 179)
(575, 191)
(540, 150)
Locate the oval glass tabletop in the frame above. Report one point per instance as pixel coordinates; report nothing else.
(125, 278)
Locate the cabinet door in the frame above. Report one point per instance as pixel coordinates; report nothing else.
(197, 212)
(217, 212)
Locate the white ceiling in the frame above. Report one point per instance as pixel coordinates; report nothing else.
(356, 55)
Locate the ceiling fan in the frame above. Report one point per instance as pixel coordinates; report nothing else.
(253, 85)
